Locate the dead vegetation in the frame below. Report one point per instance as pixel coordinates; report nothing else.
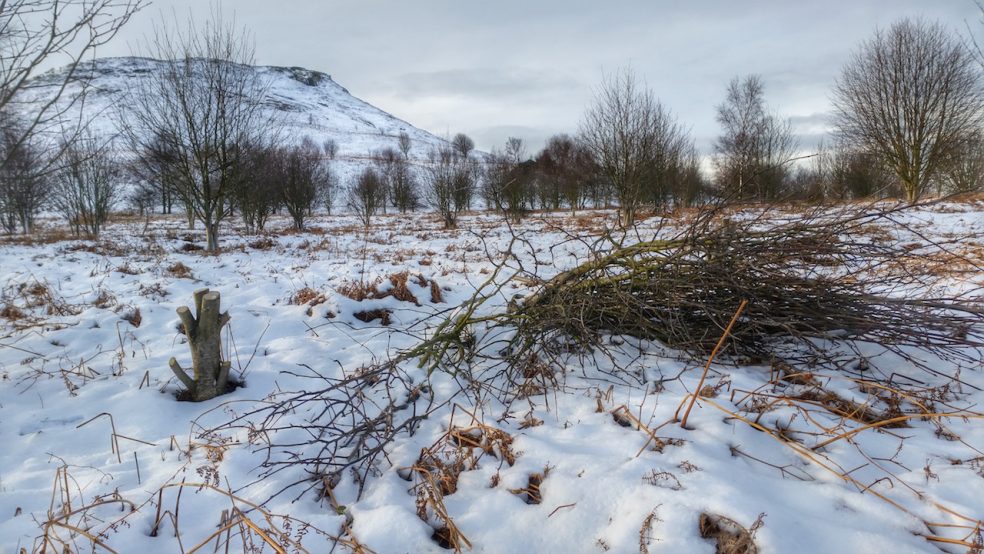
(729, 536)
(806, 281)
(179, 270)
(438, 468)
(398, 288)
(31, 303)
(815, 286)
(74, 524)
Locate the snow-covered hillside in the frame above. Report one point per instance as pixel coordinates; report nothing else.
(307, 104)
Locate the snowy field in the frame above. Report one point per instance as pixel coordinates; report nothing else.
(96, 450)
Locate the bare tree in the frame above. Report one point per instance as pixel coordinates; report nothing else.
(205, 105)
(330, 190)
(462, 144)
(448, 177)
(628, 130)
(403, 187)
(386, 161)
(151, 170)
(23, 188)
(86, 185)
(690, 186)
(303, 178)
(910, 94)
(755, 146)
(964, 172)
(841, 171)
(405, 144)
(259, 179)
(35, 33)
(330, 147)
(515, 150)
(365, 195)
(563, 168)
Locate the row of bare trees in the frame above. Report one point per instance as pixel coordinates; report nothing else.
(908, 119)
(45, 153)
(908, 105)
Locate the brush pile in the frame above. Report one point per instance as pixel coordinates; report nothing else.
(808, 280)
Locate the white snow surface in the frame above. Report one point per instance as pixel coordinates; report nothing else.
(73, 357)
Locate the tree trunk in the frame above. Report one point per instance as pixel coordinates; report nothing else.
(626, 216)
(204, 333)
(212, 237)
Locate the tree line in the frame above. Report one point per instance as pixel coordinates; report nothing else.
(908, 112)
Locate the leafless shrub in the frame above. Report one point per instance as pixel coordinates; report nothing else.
(450, 184)
(304, 178)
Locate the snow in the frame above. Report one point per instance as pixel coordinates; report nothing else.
(60, 371)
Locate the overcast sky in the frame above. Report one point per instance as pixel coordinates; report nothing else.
(528, 68)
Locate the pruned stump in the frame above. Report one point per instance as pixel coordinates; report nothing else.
(204, 333)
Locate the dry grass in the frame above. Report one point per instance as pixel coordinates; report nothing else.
(359, 290)
(308, 296)
(25, 304)
(263, 243)
(730, 537)
(132, 316)
(39, 238)
(439, 467)
(437, 297)
(531, 493)
(399, 288)
(12, 313)
(646, 532)
(367, 316)
(128, 269)
(179, 270)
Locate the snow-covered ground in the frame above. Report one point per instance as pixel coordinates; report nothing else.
(91, 435)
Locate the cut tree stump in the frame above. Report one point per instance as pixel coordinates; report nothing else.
(204, 330)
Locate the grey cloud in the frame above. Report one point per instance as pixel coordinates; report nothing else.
(494, 82)
(484, 68)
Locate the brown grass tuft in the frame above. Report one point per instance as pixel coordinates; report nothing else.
(11, 312)
(127, 269)
(532, 489)
(307, 295)
(368, 316)
(263, 243)
(399, 288)
(437, 297)
(731, 537)
(180, 271)
(132, 316)
(359, 290)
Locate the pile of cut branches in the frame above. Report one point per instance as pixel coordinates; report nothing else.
(845, 276)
